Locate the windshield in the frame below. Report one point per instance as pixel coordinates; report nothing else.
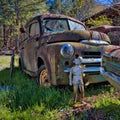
(60, 25)
(94, 42)
(55, 25)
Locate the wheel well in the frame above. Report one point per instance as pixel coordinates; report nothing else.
(40, 62)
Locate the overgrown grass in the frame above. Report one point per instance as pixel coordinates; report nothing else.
(23, 99)
(110, 106)
(27, 94)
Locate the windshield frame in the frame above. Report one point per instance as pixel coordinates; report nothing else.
(67, 24)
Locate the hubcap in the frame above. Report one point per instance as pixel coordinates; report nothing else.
(44, 78)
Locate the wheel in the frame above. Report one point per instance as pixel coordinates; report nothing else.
(43, 77)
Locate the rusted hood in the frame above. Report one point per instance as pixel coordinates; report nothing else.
(74, 36)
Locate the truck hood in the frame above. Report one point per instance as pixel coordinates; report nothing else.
(74, 36)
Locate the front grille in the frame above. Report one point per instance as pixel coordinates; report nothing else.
(92, 73)
(92, 64)
(91, 54)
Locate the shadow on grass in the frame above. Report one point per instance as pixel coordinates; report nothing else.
(5, 75)
(111, 111)
(99, 88)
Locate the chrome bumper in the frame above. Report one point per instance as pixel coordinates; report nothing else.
(112, 78)
(91, 60)
(91, 69)
(88, 69)
(93, 78)
(67, 70)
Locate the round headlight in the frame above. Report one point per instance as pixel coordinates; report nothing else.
(67, 51)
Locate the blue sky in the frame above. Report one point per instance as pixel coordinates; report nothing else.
(51, 2)
(104, 1)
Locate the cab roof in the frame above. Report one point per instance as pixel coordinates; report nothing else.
(55, 16)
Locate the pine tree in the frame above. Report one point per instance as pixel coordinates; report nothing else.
(14, 13)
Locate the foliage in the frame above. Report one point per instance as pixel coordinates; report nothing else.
(28, 94)
(108, 105)
(82, 8)
(15, 13)
(101, 20)
(116, 20)
(27, 100)
(74, 8)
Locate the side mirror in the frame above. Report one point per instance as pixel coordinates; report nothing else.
(22, 30)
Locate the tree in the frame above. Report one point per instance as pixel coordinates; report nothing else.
(74, 8)
(109, 16)
(101, 20)
(14, 13)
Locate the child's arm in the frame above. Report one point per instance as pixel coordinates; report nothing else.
(82, 73)
(70, 77)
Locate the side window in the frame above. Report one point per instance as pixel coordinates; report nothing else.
(24, 36)
(34, 29)
(37, 27)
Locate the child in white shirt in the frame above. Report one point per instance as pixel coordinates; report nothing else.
(76, 79)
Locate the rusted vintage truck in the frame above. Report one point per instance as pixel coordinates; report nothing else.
(112, 31)
(111, 66)
(48, 45)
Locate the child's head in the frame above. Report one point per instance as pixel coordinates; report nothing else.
(77, 60)
(76, 55)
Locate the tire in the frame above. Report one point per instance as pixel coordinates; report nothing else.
(43, 77)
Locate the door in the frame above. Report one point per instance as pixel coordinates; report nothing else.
(30, 47)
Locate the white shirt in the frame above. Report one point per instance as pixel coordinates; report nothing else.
(75, 76)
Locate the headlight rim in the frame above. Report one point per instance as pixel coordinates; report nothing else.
(62, 50)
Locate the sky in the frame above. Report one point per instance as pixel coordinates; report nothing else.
(105, 2)
(50, 2)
